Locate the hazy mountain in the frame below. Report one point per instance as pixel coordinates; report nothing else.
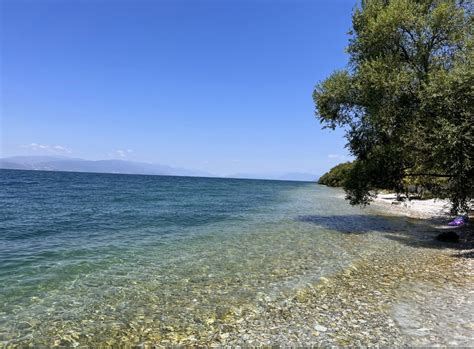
(59, 163)
(52, 163)
(34, 160)
(299, 176)
(290, 176)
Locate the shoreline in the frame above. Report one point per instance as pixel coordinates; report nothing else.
(387, 203)
(414, 208)
(366, 305)
(434, 212)
(419, 292)
(421, 298)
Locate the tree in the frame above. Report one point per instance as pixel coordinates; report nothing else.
(406, 98)
(336, 176)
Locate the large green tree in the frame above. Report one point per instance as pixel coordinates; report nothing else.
(406, 98)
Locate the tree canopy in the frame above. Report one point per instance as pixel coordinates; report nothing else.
(336, 176)
(406, 98)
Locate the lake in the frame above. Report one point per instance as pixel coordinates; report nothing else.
(107, 258)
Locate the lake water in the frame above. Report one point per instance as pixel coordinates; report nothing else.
(87, 258)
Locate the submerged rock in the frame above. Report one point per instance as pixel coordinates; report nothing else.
(448, 236)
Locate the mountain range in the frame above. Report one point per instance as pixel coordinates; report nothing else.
(58, 163)
(53, 163)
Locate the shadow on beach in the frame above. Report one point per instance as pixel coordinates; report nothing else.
(413, 232)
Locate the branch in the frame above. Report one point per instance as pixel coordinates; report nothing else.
(405, 53)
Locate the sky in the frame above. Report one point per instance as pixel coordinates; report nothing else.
(223, 86)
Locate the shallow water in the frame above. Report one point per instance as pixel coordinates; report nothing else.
(99, 258)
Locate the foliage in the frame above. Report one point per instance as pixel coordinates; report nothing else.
(336, 176)
(406, 98)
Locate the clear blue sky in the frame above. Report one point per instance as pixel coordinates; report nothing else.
(221, 86)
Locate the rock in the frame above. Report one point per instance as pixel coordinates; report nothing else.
(320, 328)
(448, 236)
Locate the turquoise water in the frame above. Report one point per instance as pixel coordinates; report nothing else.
(87, 258)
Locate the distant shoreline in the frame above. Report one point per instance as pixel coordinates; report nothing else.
(158, 175)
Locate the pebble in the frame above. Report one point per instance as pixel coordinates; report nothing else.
(320, 328)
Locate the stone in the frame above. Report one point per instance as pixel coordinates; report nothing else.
(448, 236)
(320, 328)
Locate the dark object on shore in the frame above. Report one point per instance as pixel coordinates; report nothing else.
(448, 236)
(458, 221)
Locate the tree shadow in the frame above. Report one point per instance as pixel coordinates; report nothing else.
(350, 224)
(418, 233)
(361, 224)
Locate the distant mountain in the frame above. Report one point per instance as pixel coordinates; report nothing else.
(52, 163)
(60, 163)
(299, 176)
(291, 176)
